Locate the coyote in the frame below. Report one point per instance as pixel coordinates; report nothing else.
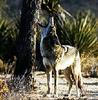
(59, 57)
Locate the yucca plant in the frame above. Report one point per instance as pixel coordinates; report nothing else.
(81, 32)
(49, 5)
(53, 7)
(7, 39)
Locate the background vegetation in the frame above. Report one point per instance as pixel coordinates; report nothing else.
(80, 31)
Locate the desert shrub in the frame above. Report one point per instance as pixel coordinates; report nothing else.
(87, 61)
(81, 32)
(8, 34)
(89, 64)
(7, 39)
(3, 89)
(1, 65)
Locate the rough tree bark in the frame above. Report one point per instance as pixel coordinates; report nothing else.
(25, 52)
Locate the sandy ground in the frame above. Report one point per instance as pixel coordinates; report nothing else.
(90, 86)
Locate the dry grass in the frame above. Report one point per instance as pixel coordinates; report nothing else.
(88, 62)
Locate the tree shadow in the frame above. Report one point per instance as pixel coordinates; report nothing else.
(93, 83)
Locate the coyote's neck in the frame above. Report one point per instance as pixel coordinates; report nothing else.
(58, 50)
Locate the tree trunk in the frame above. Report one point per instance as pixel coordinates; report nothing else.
(24, 43)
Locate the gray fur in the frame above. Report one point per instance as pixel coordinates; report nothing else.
(57, 57)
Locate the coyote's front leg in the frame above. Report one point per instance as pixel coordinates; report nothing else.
(56, 82)
(49, 82)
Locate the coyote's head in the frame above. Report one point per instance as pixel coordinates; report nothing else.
(49, 36)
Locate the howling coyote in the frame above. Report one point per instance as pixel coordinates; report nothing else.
(59, 57)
